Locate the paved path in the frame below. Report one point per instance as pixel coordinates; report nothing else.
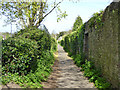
(71, 76)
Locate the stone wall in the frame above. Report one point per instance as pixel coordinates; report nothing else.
(102, 45)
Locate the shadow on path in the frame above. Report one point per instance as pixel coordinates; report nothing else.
(71, 76)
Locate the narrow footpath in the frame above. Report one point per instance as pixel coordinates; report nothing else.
(66, 74)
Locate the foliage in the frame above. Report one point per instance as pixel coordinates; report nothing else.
(61, 15)
(77, 24)
(43, 39)
(101, 83)
(53, 44)
(93, 78)
(33, 79)
(29, 13)
(73, 44)
(96, 20)
(79, 60)
(0, 52)
(95, 75)
(66, 44)
(61, 42)
(91, 72)
(18, 55)
(6, 34)
(61, 34)
(28, 58)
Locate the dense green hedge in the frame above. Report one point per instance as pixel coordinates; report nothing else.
(73, 43)
(29, 56)
(18, 54)
(96, 21)
(53, 44)
(78, 22)
(43, 39)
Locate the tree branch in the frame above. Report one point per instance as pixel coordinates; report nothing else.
(52, 9)
(41, 19)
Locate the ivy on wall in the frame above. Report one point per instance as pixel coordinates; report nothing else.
(96, 20)
(73, 43)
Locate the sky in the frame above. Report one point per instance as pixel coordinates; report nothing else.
(83, 8)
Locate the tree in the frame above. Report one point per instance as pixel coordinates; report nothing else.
(77, 24)
(29, 13)
(62, 34)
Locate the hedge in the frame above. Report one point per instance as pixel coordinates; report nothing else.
(73, 43)
(28, 57)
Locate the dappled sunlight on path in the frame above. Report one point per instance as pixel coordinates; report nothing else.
(71, 76)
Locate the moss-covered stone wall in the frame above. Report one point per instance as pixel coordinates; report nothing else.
(104, 44)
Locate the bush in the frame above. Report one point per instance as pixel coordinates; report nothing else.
(78, 22)
(69, 54)
(66, 44)
(19, 54)
(53, 44)
(73, 43)
(96, 21)
(27, 58)
(43, 39)
(101, 83)
(61, 42)
(79, 60)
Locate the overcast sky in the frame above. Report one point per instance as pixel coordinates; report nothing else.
(83, 8)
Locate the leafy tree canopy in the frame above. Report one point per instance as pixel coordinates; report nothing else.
(29, 13)
(77, 24)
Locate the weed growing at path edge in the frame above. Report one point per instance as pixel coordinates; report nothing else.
(91, 72)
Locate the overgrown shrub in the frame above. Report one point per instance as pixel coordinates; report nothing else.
(78, 22)
(18, 55)
(61, 42)
(66, 44)
(73, 43)
(53, 44)
(27, 57)
(43, 39)
(96, 20)
(79, 60)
